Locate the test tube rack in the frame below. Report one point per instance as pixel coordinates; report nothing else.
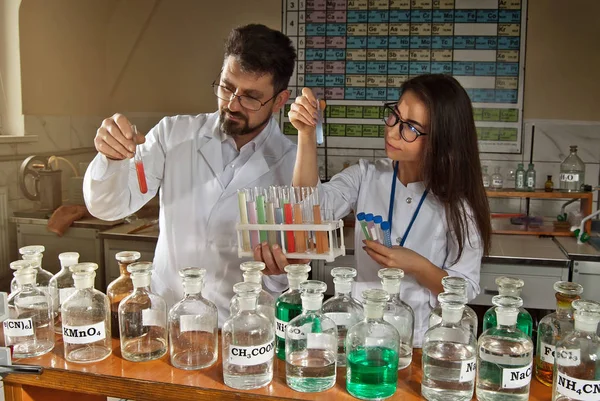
(333, 228)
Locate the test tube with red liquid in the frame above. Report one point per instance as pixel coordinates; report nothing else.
(139, 165)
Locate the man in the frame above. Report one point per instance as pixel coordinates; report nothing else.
(197, 164)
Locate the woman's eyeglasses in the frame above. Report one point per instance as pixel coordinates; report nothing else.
(391, 117)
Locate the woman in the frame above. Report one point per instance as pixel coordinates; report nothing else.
(432, 177)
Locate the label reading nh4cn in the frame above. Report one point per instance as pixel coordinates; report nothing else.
(516, 378)
(84, 334)
(577, 389)
(250, 356)
(568, 357)
(468, 369)
(152, 318)
(193, 323)
(547, 353)
(280, 326)
(567, 177)
(18, 327)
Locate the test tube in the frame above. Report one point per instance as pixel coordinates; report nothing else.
(299, 236)
(320, 134)
(363, 225)
(289, 235)
(244, 219)
(261, 212)
(378, 220)
(139, 164)
(271, 201)
(387, 235)
(252, 217)
(370, 225)
(327, 217)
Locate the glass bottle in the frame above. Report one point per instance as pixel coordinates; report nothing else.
(513, 287)
(530, 175)
(572, 172)
(399, 314)
(120, 287)
(344, 310)
(61, 285)
(497, 180)
(549, 185)
(35, 253)
(248, 339)
(17, 265)
(86, 317)
(486, 177)
(193, 330)
(455, 285)
(577, 370)
(252, 273)
(554, 327)
(311, 343)
(142, 318)
(289, 304)
(29, 329)
(449, 354)
(504, 356)
(372, 351)
(520, 182)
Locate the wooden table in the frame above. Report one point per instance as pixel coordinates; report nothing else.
(158, 380)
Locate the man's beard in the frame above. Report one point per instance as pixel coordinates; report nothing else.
(239, 127)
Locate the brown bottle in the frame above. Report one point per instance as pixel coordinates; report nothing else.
(121, 287)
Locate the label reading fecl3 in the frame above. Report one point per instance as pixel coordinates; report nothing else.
(18, 327)
(84, 334)
(250, 356)
(468, 369)
(516, 378)
(577, 389)
(547, 353)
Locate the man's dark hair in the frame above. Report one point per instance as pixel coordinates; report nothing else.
(262, 50)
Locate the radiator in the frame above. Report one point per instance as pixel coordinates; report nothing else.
(4, 241)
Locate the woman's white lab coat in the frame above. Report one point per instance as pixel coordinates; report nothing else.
(182, 158)
(366, 187)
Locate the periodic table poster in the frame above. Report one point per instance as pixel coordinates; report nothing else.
(356, 54)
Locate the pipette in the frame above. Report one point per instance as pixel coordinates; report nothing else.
(139, 165)
(320, 136)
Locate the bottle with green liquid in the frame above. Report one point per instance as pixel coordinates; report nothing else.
(510, 286)
(372, 351)
(289, 304)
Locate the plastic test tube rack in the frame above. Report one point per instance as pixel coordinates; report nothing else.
(331, 228)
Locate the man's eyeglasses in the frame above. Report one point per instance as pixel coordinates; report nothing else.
(246, 102)
(391, 117)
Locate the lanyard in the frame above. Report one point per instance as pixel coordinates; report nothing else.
(391, 208)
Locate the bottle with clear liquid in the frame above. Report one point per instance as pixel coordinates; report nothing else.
(372, 351)
(449, 354)
(572, 172)
(193, 331)
(530, 178)
(399, 314)
(29, 329)
(289, 304)
(311, 343)
(455, 285)
(504, 356)
(35, 253)
(520, 180)
(142, 318)
(577, 370)
(248, 347)
(86, 318)
(62, 285)
(344, 310)
(510, 286)
(120, 287)
(554, 327)
(497, 179)
(252, 273)
(487, 180)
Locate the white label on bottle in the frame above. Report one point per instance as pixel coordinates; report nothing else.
(530, 182)
(434, 319)
(250, 356)
(568, 357)
(516, 378)
(547, 353)
(195, 323)
(152, 317)
(280, 326)
(18, 327)
(27, 302)
(84, 334)
(297, 332)
(468, 369)
(569, 177)
(497, 183)
(486, 182)
(578, 389)
(340, 318)
(520, 182)
(65, 293)
(321, 341)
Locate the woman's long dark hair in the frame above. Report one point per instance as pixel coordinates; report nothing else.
(451, 165)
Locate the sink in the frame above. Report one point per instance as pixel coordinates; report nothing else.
(595, 242)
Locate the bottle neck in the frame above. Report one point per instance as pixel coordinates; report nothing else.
(452, 314)
(247, 303)
(343, 287)
(141, 282)
(252, 278)
(123, 269)
(507, 319)
(373, 312)
(82, 283)
(513, 292)
(392, 287)
(312, 303)
(456, 290)
(564, 308)
(294, 281)
(192, 288)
